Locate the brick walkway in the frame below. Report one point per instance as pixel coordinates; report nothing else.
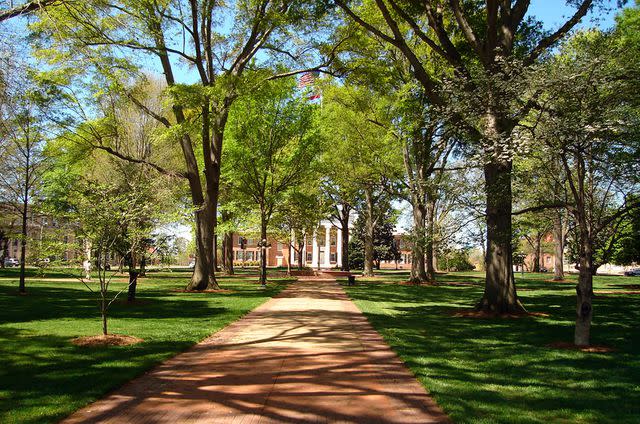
(308, 355)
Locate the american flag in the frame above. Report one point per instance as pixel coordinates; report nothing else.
(307, 79)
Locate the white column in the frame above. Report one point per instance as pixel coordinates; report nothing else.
(339, 246)
(315, 258)
(327, 246)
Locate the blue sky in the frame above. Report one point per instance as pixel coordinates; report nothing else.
(555, 12)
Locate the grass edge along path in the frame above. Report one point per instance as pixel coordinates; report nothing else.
(44, 377)
(501, 370)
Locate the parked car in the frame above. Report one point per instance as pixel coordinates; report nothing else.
(11, 262)
(635, 272)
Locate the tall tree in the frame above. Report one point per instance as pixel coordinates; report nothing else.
(364, 158)
(22, 139)
(590, 123)
(272, 147)
(219, 42)
(489, 49)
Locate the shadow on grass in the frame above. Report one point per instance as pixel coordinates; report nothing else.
(499, 370)
(44, 377)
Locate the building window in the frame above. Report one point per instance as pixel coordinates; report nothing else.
(333, 257)
(280, 246)
(309, 257)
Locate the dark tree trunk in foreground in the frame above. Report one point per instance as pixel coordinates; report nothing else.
(133, 284)
(500, 291)
(131, 262)
(558, 240)
(203, 276)
(584, 291)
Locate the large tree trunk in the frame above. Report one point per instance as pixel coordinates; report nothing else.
(344, 223)
(537, 247)
(368, 235)
(430, 227)
(203, 275)
(558, 240)
(499, 291)
(133, 278)
(584, 290)
(203, 196)
(418, 269)
(227, 252)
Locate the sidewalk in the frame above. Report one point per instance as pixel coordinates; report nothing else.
(308, 355)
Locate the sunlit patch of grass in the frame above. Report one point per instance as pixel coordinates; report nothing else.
(500, 370)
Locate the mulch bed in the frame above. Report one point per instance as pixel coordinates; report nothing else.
(589, 349)
(219, 291)
(472, 313)
(458, 283)
(604, 293)
(108, 340)
(625, 286)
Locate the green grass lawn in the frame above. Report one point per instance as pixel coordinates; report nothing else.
(499, 370)
(43, 377)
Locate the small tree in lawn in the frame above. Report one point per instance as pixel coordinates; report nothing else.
(110, 220)
(272, 146)
(590, 123)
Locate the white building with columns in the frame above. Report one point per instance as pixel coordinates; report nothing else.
(323, 249)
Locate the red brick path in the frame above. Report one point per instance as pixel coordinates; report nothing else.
(308, 355)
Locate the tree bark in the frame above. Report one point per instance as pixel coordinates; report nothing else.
(558, 241)
(24, 214)
(143, 266)
(227, 244)
(133, 278)
(418, 269)
(103, 312)
(537, 247)
(203, 276)
(368, 234)
(300, 252)
(500, 292)
(430, 218)
(584, 290)
(23, 249)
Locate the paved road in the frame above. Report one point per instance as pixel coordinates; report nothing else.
(308, 355)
